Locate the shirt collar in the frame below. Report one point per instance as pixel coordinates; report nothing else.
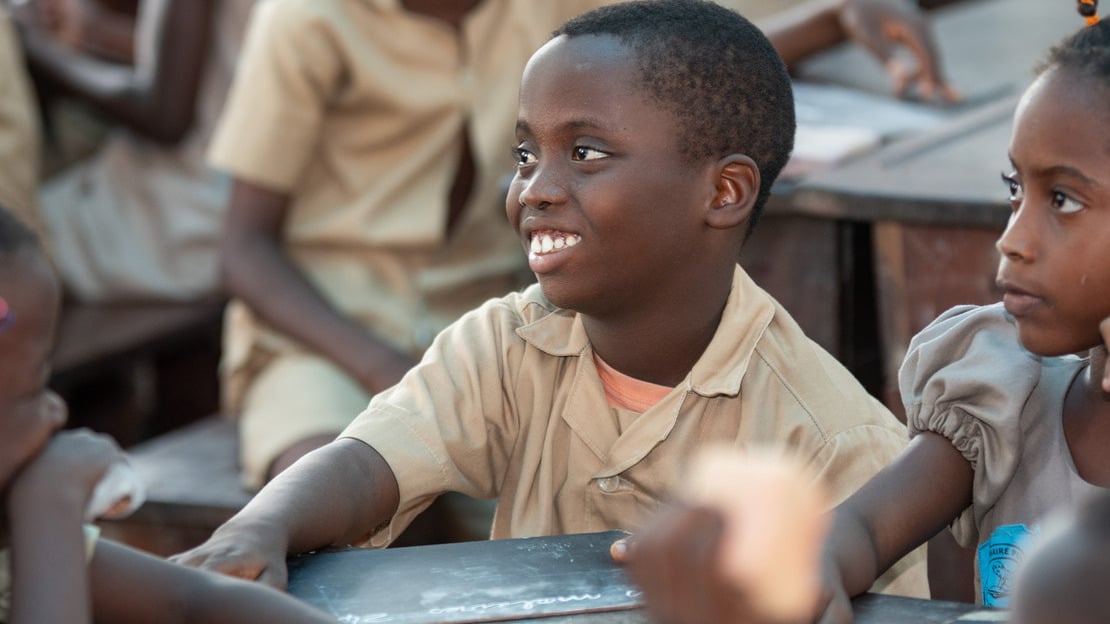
(719, 371)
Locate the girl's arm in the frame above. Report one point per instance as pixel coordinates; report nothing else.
(132, 586)
(923, 490)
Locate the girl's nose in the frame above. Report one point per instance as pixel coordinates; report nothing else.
(1017, 241)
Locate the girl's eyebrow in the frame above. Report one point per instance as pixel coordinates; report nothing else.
(1065, 171)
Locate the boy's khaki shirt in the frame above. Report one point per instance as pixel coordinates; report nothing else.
(507, 403)
(19, 130)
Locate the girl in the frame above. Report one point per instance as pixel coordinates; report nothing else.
(1006, 422)
(48, 478)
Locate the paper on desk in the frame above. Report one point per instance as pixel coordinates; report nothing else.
(836, 123)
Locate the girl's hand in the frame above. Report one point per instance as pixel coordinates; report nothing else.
(1104, 327)
(25, 427)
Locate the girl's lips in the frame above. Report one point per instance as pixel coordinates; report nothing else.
(1019, 303)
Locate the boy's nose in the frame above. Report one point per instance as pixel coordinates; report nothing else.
(543, 189)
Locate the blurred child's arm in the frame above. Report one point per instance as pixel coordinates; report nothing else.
(336, 495)
(156, 95)
(258, 271)
(880, 26)
(131, 586)
(46, 508)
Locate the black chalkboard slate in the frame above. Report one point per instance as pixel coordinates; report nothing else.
(466, 582)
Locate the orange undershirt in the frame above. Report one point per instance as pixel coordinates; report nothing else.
(624, 392)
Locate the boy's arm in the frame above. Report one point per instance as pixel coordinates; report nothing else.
(335, 495)
(880, 26)
(46, 507)
(258, 271)
(156, 95)
(132, 586)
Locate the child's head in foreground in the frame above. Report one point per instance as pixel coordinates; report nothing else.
(649, 136)
(29, 299)
(1066, 577)
(1055, 252)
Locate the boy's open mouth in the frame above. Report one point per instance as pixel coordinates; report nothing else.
(547, 242)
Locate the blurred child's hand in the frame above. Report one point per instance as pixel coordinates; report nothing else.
(881, 27)
(25, 428)
(246, 552)
(676, 564)
(65, 473)
(68, 21)
(1105, 328)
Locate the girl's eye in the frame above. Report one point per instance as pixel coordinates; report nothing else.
(1017, 194)
(523, 157)
(1064, 204)
(581, 152)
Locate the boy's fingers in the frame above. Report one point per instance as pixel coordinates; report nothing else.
(622, 550)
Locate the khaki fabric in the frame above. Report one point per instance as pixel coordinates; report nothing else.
(140, 220)
(508, 403)
(20, 138)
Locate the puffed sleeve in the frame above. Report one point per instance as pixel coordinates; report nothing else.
(967, 377)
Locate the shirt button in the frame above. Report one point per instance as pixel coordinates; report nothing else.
(609, 484)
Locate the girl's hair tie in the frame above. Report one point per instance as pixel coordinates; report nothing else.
(7, 317)
(1089, 10)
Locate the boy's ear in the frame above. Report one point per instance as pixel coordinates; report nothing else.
(737, 187)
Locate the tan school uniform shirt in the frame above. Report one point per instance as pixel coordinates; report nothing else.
(508, 404)
(356, 108)
(19, 129)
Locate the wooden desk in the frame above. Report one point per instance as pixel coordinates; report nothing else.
(550, 580)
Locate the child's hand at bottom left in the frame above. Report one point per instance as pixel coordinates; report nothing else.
(25, 429)
(62, 477)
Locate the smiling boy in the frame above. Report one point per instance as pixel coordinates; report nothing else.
(648, 137)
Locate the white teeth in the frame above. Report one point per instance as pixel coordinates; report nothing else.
(546, 243)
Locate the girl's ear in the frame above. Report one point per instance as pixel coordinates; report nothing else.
(737, 187)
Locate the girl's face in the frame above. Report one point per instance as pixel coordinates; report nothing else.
(1055, 265)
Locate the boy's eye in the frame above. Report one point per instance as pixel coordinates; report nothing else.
(523, 157)
(581, 152)
(1064, 204)
(1017, 194)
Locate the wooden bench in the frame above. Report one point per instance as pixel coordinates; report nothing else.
(138, 369)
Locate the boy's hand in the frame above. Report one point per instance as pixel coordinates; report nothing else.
(25, 428)
(881, 26)
(249, 552)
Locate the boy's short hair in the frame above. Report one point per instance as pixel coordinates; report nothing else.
(14, 234)
(715, 70)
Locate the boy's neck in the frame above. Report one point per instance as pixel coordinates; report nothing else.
(659, 348)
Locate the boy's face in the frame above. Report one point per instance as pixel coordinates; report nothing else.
(28, 411)
(1055, 265)
(606, 205)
